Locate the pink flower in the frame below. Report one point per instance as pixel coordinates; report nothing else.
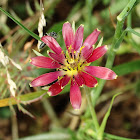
(74, 65)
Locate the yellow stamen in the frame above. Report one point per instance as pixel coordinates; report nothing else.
(71, 72)
(82, 48)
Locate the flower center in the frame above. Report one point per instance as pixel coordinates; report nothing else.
(73, 64)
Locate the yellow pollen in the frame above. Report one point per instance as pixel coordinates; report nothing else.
(70, 48)
(72, 72)
(73, 65)
(71, 61)
(82, 48)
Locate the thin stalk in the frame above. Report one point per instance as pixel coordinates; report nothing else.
(121, 18)
(90, 4)
(129, 21)
(14, 124)
(110, 60)
(92, 110)
(49, 110)
(133, 31)
(89, 11)
(21, 25)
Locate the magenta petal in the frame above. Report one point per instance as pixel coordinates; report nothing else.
(101, 72)
(91, 39)
(44, 62)
(87, 52)
(90, 81)
(75, 95)
(68, 34)
(78, 39)
(45, 79)
(97, 53)
(89, 42)
(60, 58)
(65, 80)
(52, 44)
(56, 88)
(79, 79)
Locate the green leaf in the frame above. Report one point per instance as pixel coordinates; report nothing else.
(103, 124)
(21, 25)
(23, 98)
(113, 137)
(30, 97)
(127, 68)
(135, 34)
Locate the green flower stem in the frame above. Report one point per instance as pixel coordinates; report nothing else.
(92, 110)
(121, 18)
(129, 20)
(89, 7)
(110, 60)
(89, 11)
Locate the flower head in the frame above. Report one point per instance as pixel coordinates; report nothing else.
(74, 65)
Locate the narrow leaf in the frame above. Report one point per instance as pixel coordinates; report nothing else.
(29, 98)
(113, 137)
(21, 25)
(103, 124)
(127, 68)
(23, 98)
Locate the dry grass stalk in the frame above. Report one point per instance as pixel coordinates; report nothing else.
(4, 59)
(41, 24)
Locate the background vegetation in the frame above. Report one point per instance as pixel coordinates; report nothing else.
(53, 117)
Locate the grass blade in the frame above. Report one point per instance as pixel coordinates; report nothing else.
(21, 25)
(127, 68)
